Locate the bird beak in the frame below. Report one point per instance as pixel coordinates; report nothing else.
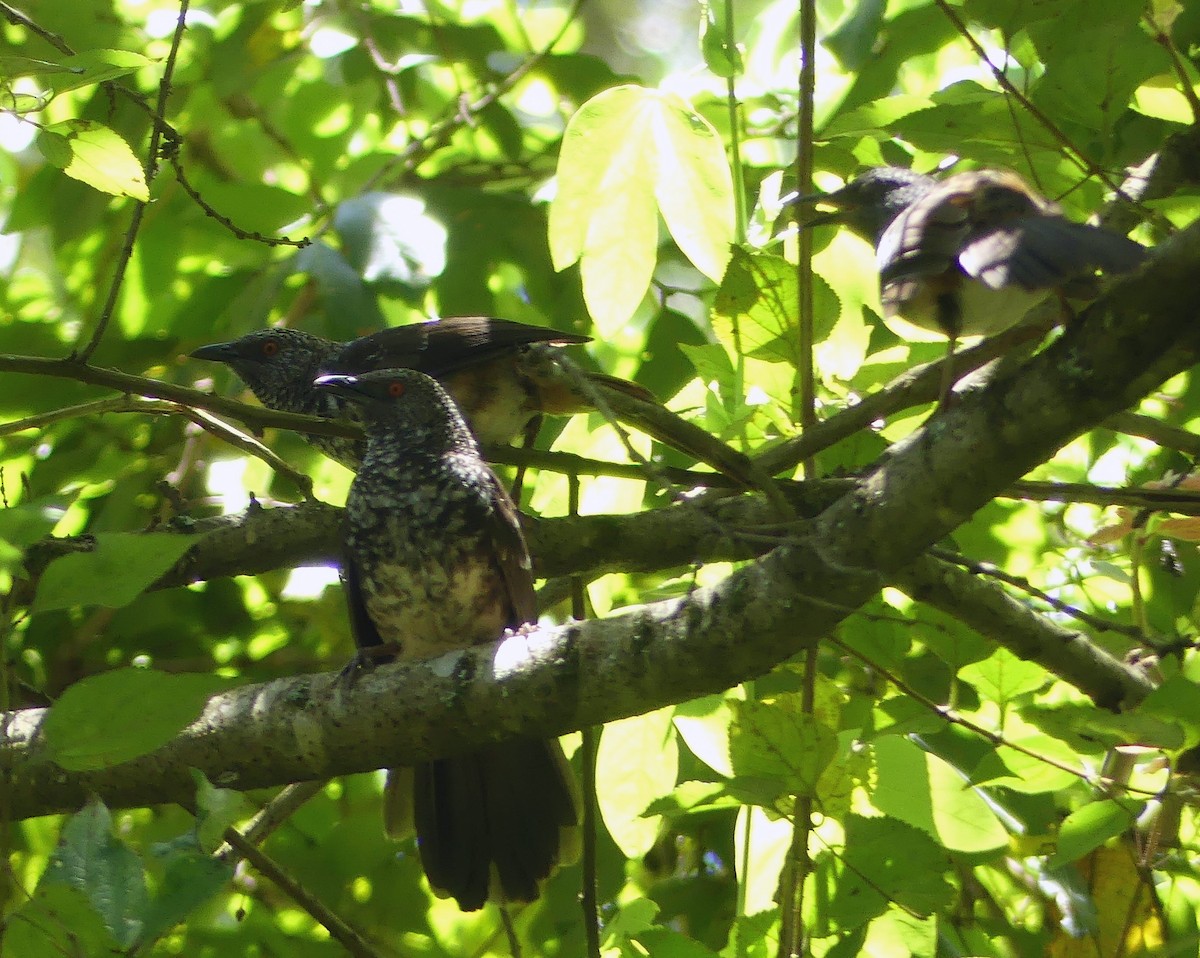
(836, 215)
(347, 386)
(216, 352)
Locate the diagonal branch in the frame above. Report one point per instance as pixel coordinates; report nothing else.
(581, 674)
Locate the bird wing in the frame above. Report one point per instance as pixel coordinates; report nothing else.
(1041, 252)
(511, 553)
(925, 238)
(362, 627)
(443, 346)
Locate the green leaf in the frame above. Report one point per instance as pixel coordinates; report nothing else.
(190, 880)
(720, 58)
(922, 790)
(754, 313)
(703, 725)
(57, 921)
(120, 567)
(693, 185)
(98, 66)
(774, 741)
(624, 150)
(12, 67)
(1090, 827)
(353, 306)
(692, 796)
(884, 861)
(761, 845)
(603, 212)
(114, 717)
(1176, 701)
(668, 943)
(93, 154)
(634, 918)
(91, 860)
(636, 763)
(218, 809)
(1002, 677)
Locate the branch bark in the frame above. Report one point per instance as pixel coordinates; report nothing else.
(307, 727)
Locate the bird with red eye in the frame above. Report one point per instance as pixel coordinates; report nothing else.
(434, 559)
(504, 376)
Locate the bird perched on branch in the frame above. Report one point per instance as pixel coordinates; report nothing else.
(503, 376)
(972, 254)
(435, 560)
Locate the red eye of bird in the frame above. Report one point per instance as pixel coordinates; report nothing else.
(270, 347)
(395, 389)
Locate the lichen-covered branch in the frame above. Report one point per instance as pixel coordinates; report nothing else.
(581, 674)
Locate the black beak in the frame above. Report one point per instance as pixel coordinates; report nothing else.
(347, 386)
(216, 352)
(816, 217)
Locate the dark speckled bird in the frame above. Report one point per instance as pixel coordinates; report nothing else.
(434, 561)
(504, 376)
(500, 373)
(972, 254)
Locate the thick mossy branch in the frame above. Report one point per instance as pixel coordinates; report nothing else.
(773, 607)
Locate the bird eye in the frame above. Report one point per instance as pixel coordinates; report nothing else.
(395, 389)
(270, 347)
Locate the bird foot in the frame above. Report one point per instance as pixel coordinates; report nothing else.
(365, 660)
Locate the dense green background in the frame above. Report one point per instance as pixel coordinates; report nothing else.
(418, 151)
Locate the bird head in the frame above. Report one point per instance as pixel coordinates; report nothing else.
(274, 363)
(401, 402)
(870, 201)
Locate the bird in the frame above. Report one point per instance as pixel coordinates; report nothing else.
(503, 376)
(487, 364)
(971, 254)
(434, 560)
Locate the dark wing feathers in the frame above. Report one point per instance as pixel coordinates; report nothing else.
(443, 346)
(512, 555)
(1045, 251)
(362, 626)
(992, 226)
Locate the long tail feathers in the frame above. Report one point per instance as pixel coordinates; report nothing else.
(495, 823)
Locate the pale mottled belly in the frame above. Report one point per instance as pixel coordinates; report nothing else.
(432, 609)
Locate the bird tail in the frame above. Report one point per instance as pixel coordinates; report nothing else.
(495, 823)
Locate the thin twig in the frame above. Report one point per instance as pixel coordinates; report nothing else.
(18, 18)
(587, 760)
(1178, 64)
(1023, 584)
(1073, 152)
(993, 738)
(419, 150)
(349, 939)
(139, 209)
(914, 387)
(224, 220)
(277, 811)
(158, 407)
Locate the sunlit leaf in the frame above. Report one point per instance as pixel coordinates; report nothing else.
(97, 66)
(1090, 827)
(94, 154)
(627, 788)
(623, 152)
(922, 790)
